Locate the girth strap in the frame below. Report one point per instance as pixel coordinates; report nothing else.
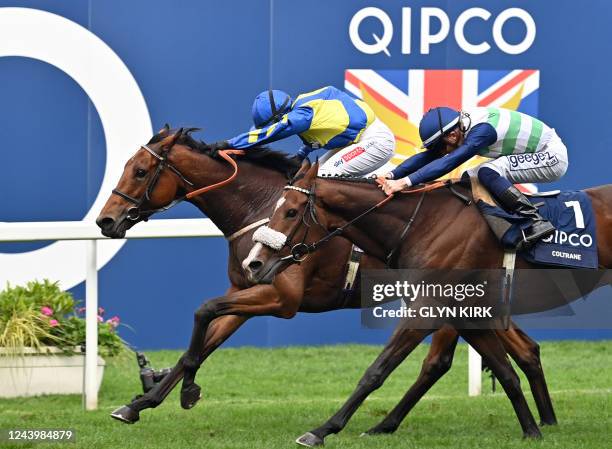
(390, 259)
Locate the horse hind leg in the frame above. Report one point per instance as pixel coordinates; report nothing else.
(490, 348)
(526, 353)
(402, 342)
(437, 363)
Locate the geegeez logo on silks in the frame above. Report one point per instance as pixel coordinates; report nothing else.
(531, 160)
(435, 28)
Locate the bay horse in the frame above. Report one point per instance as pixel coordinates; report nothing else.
(446, 233)
(173, 164)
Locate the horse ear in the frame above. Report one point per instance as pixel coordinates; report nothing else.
(164, 131)
(303, 168)
(191, 130)
(169, 141)
(313, 171)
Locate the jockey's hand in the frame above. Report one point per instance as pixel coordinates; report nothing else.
(390, 186)
(217, 146)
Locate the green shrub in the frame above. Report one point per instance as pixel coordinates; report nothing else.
(41, 314)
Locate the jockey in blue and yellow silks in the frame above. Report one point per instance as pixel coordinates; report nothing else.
(357, 142)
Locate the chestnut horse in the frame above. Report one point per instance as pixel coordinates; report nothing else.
(445, 234)
(314, 286)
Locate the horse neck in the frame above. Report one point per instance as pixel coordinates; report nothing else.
(342, 201)
(247, 198)
(444, 233)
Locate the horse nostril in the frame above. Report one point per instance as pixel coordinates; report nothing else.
(255, 265)
(105, 222)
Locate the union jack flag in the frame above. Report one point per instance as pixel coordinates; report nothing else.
(401, 97)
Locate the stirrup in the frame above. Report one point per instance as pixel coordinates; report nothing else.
(529, 240)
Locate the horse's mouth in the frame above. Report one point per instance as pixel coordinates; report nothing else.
(268, 271)
(119, 228)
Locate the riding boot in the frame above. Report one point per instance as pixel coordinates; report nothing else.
(514, 201)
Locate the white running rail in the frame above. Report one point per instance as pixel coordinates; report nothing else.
(80, 230)
(168, 228)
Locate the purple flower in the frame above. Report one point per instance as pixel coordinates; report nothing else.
(100, 319)
(53, 323)
(100, 310)
(47, 311)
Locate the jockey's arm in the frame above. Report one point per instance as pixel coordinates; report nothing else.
(294, 122)
(479, 137)
(413, 163)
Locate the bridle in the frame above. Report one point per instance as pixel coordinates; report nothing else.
(135, 213)
(300, 251)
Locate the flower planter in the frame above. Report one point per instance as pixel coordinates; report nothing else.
(46, 372)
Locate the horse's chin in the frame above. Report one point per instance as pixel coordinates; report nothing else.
(258, 279)
(267, 273)
(118, 231)
(114, 234)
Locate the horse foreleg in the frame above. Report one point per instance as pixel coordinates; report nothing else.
(437, 363)
(490, 348)
(219, 331)
(254, 301)
(526, 354)
(402, 342)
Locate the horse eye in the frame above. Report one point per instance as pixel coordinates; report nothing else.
(291, 213)
(141, 172)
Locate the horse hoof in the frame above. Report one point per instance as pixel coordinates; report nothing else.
(534, 434)
(126, 415)
(309, 439)
(378, 431)
(552, 422)
(190, 396)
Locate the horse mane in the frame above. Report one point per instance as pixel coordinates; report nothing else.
(262, 156)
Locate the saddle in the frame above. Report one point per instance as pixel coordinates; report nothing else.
(573, 243)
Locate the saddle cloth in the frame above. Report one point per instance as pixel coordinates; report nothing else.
(572, 245)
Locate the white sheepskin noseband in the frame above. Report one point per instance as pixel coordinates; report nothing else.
(270, 238)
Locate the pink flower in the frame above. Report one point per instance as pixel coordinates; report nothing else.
(81, 310)
(100, 319)
(53, 323)
(47, 311)
(100, 311)
(114, 321)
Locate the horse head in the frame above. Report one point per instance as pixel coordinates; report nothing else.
(284, 241)
(150, 183)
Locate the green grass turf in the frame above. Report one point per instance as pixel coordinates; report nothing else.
(265, 398)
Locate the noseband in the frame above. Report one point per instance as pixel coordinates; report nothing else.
(135, 213)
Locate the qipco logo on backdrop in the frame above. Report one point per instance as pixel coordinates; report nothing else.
(436, 19)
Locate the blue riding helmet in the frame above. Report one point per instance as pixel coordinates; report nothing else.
(435, 123)
(269, 106)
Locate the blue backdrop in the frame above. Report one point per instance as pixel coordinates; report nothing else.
(201, 63)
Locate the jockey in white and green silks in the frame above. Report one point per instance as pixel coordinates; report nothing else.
(523, 149)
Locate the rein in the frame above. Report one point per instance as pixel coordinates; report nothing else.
(225, 155)
(301, 250)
